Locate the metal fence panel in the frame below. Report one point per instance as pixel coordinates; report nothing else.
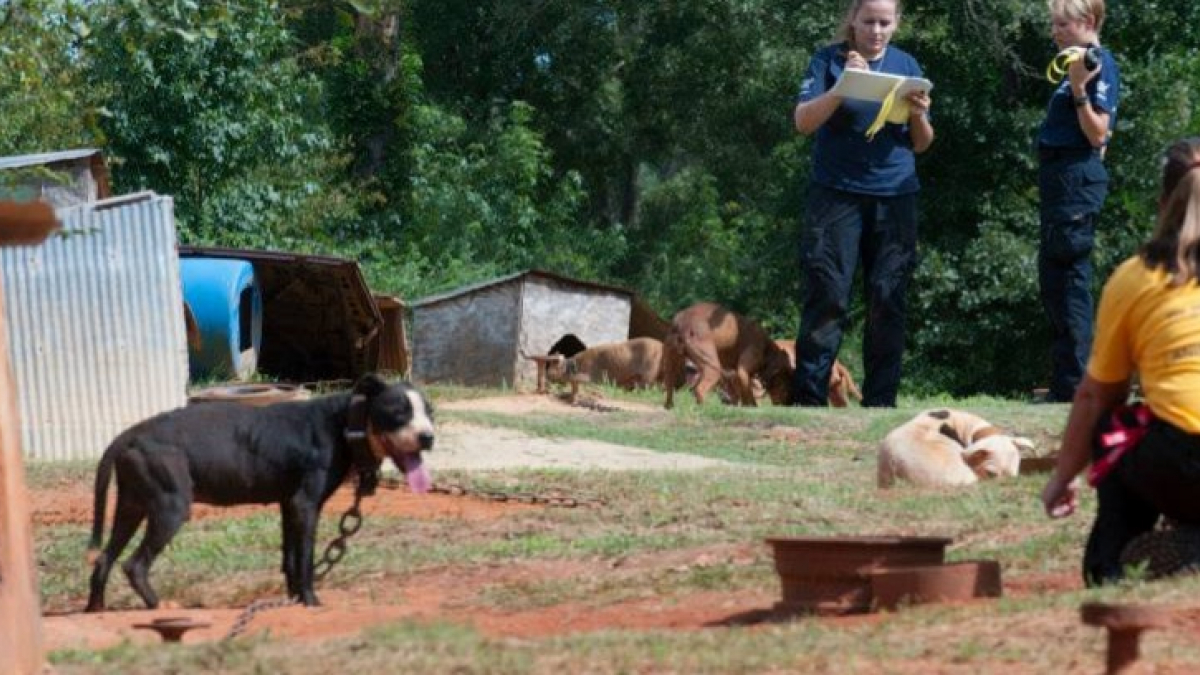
(96, 330)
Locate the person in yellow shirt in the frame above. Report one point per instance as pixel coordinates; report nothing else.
(1145, 456)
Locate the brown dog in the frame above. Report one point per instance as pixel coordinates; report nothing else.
(841, 386)
(841, 381)
(630, 364)
(716, 340)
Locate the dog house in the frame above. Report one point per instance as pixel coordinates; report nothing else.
(319, 318)
(224, 299)
(393, 343)
(478, 335)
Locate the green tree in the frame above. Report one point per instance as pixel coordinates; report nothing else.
(491, 201)
(647, 144)
(206, 102)
(44, 102)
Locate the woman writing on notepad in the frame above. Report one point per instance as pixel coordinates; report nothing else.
(862, 204)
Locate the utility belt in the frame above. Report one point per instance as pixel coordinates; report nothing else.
(1048, 154)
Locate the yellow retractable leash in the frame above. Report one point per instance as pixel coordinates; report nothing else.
(1057, 69)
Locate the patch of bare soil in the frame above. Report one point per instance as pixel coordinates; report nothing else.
(558, 404)
(72, 503)
(452, 594)
(449, 594)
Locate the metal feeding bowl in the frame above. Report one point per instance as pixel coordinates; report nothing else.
(832, 575)
(171, 629)
(1043, 464)
(894, 587)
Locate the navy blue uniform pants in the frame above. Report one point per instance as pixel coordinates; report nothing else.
(1156, 478)
(842, 229)
(1072, 192)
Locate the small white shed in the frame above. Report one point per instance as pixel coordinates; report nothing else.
(477, 335)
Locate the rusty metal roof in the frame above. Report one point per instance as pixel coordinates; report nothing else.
(93, 157)
(320, 320)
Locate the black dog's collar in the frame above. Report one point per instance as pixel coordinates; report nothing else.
(356, 437)
(356, 422)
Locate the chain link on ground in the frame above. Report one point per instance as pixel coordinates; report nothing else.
(350, 523)
(550, 499)
(243, 621)
(593, 404)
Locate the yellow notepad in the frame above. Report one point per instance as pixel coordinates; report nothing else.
(871, 86)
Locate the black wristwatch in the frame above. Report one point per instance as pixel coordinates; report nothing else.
(1080, 101)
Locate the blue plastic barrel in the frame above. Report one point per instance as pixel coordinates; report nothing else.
(224, 297)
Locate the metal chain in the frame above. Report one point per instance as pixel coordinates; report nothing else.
(594, 404)
(559, 500)
(336, 550)
(247, 615)
(349, 524)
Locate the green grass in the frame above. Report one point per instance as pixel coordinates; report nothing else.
(801, 472)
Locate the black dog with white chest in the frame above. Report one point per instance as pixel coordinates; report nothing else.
(295, 454)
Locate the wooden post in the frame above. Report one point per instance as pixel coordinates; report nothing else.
(21, 649)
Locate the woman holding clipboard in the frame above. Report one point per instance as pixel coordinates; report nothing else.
(862, 204)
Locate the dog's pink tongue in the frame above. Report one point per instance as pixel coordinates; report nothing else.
(416, 474)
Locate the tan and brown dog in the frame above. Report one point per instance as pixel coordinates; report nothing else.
(841, 381)
(631, 364)
(841, 386)
(948, 447)
(717, 340)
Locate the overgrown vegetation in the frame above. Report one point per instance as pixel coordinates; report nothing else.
(644, 144)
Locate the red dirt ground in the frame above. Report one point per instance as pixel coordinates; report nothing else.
(443, 595)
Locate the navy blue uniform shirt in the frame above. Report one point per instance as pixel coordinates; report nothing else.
(1060, 128)
(843, 158)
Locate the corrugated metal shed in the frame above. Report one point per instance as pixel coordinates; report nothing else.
(61, 179)
(476, 335)
(96, 326)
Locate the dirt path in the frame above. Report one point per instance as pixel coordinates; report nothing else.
(467, 446)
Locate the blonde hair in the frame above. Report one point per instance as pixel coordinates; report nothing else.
(1175, 244)
(845, 31)
(1078, 10)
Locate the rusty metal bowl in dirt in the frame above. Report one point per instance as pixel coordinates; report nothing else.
(831, 575)
(895, 587)
(171, 629)
(1044, 464)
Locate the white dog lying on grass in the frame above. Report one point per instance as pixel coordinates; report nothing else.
(948, 447)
